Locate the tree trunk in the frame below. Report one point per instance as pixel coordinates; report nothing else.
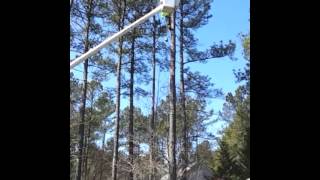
(87, 141)
(152, 120)
(182, 96)
(130, 130)
(87, 152)
(197, 153)
(116, 132)
(82, 117)
(84, 96)
(118, 92)
(102, 159)
(172, 123)
(95, 169)
(84, 152)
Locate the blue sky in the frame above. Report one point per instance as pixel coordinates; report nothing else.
(230, 17)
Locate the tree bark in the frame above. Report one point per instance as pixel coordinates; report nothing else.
(152, 120)
(116, 132)
(130, 130)
(82, 117)
(87, 152)
(84, 95)
(102, 159)
(87, 141)
(182, 96)
(118, 92)
(172, 123)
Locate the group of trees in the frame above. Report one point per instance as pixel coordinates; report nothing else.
(107, 142)
(232, 159)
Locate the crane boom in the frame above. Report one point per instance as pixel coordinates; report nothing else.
(109, 40)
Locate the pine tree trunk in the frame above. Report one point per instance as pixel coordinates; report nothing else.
(82, 117)
(84, 96)
(87, 140)
(116, 132)
(95, 168)
(152, 120)
(182, 95)
(84, 152)
(118, 92)
(172, 120)
(102, 159)
(87, 152)
(130, 130)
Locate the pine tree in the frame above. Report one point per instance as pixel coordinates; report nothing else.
(152, 119)
(117, 15)
(192, 15)
(83, 14)
(136, 10)
(172, 119)
(225, 167)
(236, 136)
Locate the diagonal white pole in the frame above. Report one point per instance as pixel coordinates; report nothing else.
(109, 40)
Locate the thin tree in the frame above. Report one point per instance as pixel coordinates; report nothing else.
(130, 130)
(193, 15)
(182, 94)
(102, 160)
(120, 24)
(152, 120)
(172, 119)
(84, 92)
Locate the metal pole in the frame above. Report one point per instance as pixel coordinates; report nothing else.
(96, 49)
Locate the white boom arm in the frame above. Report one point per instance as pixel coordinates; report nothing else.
(165, 5)
(109, 40)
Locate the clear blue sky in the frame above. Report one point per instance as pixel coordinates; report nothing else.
(230, 17)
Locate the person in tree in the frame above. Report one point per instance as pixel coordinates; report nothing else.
(166, 15)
